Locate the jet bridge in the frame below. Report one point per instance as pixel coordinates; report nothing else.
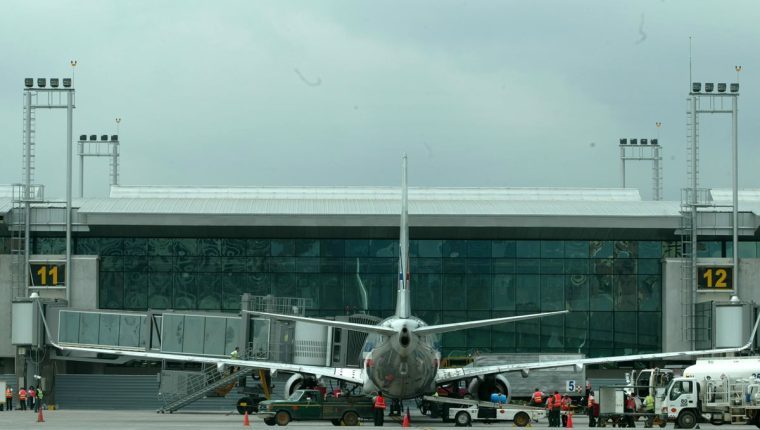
(185, 333)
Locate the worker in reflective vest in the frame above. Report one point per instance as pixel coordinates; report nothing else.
(22, 399)
(590, 405)
(550, 409)
(9, 398)
(379, 410)
(556, 410)
(537, 398)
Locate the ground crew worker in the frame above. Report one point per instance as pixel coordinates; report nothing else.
(565, 408)
(630, 408)
(537, 399)
(40, 395)
(22, 399)
(9, 398)
(649, 408)
(557, 408)
(379, 410)
(590, 405)
(234, 355)
(550, 410)
(31, 397)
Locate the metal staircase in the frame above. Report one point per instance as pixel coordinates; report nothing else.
(199, 385)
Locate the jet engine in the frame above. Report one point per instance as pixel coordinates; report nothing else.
(482, 387)
(298, 381)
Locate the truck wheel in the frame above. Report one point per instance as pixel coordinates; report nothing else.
(350, 418)
(687, 420)
(462, 419)
(282, 418)
(245, 404)
(269, 421)
(522, 419)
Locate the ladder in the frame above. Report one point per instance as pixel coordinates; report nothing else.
(207, 380)
(689, 206)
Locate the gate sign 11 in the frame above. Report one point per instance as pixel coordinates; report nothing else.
(715, 278)
(47, 274)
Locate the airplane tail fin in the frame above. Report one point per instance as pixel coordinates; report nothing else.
(403, 298)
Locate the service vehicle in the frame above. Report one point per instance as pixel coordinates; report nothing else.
(306, 405)
(464, 411)
(612, 411)
(689, 400)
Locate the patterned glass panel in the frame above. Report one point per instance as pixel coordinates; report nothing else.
(233, 247)
(135, 290)
(158, 246)
(209, 291)
(135, 246)
(185, 291)
(160, 290)
(111, 288)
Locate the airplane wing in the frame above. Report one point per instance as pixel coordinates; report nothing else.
(454, 374)
(343, 373)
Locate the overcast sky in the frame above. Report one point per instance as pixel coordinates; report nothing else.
(321, 93)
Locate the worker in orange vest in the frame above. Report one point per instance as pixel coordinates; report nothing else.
(9, 398)
(550, 409)
(379, 410)
(537, 399)
(590, 405)
(22, 399)
(556, 410)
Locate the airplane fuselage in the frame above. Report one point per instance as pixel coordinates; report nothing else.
(403, 365)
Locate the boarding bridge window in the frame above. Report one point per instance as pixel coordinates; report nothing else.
(197, 334)
(679, 388)
(99, 328)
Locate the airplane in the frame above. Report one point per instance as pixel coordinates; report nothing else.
(401, 358)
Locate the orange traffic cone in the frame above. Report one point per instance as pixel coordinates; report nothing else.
(406, 421)
(569, 420)
(40, 419)
(246, 421)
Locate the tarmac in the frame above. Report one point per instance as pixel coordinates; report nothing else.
(144, 420)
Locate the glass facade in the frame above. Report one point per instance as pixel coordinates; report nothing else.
(613, 289)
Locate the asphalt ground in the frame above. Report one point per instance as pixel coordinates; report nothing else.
(144, 420)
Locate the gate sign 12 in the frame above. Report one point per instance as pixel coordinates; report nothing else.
(47, 274)
(715, 278)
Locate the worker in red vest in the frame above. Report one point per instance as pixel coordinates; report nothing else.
(537, 399)
(22, 399)
(379, 410)
(557, 405)
(550, 410)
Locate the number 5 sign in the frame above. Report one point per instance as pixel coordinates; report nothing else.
(570, 385)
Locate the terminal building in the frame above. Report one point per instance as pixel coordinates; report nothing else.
(610, 258)
(172, 269)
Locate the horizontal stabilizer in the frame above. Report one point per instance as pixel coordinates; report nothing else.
(445, 328)
(362, 328)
